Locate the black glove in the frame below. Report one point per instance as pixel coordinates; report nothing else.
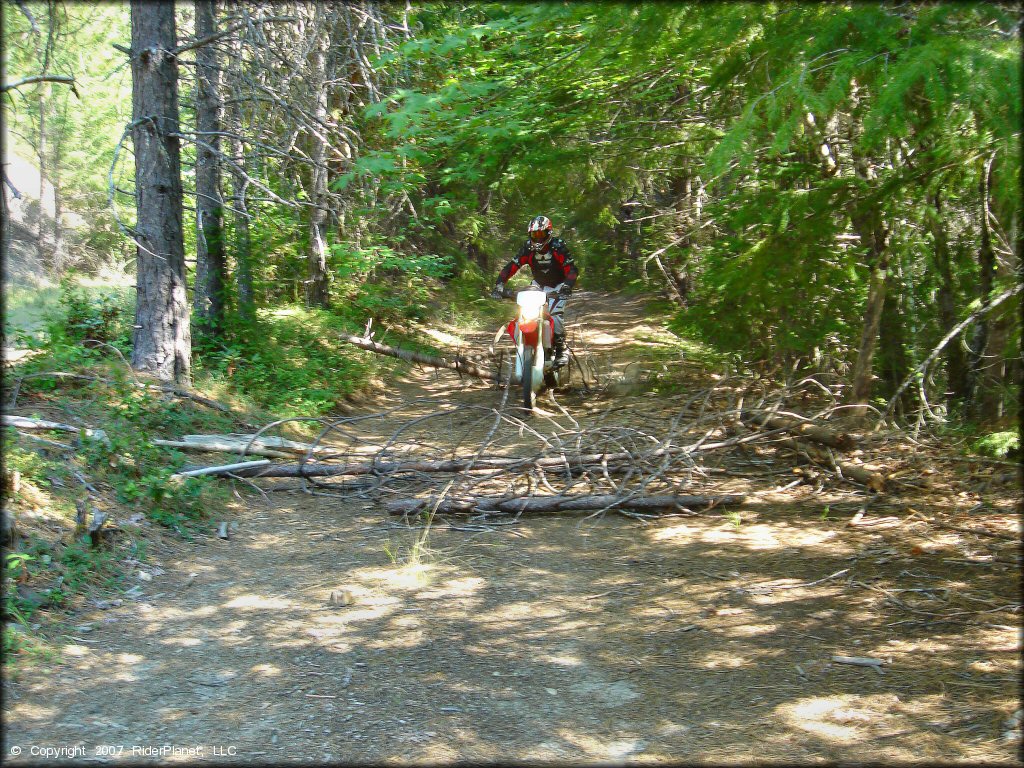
(564, 290)
(498, 292)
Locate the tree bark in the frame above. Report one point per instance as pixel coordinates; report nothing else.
(208, 299)
(987, 364)
(242, 242)
(874, 234)
(806, 429)
(162, 337)
(892, 342)
(956, 365)
(317, 291)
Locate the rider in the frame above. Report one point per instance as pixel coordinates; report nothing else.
(552, 267)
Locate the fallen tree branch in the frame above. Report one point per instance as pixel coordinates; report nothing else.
(272, 447)
(823, 458)
(223, 469)
(550, 504)
(222, 446)
(457, 363)
(23, 422)
(807, 429)
(311, 469)
(953, 333)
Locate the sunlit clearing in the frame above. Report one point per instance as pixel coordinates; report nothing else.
(31, 712)
(259, 602)
(754, 629)
(444, 338)
(600, 749)
(184, 642)
(410, 576)
(464, 587)
(562, 660)
(723, 660)
(823, 716)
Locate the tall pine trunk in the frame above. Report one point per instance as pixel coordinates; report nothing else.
(956, 365)
(162, 336)
(210, 271)
(875, 236)
(242, 242)
(317, 291)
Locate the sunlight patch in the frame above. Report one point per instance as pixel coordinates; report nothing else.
(837, 718)
(464, 587)
(267, 670)
(444, 338)
(602, 749)
(259, 602)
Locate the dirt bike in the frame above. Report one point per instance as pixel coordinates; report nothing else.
(532, 332)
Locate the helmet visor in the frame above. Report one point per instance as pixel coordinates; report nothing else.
(538, 235)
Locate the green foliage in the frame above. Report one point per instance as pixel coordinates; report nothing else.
(291, 362)
(94, 316)
(999, 445)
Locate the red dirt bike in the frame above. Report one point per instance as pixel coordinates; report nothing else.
(532, 332)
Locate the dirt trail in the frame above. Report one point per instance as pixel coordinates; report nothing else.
(556, 640)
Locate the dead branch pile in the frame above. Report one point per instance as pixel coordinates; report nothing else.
(638, 457)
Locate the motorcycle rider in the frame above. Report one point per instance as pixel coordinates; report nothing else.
(552, 267)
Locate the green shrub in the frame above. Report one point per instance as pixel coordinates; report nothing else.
(94, 315)
(998, 445)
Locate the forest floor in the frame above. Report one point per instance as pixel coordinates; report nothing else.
(697, 638)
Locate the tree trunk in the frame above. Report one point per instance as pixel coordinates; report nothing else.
(317, 291)
(162, 337)
(44, 169)
(988, 365)
(956, 365)
(208, 299)
(894, 363)
(240, 209)
(873, 234)
(987, 265)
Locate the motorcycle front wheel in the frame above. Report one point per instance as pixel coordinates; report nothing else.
(527, 378)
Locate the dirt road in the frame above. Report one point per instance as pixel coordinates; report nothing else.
(562, 639)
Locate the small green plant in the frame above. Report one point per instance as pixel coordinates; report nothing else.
(92, 316)
(824, 513)
(998, 445)
(735, 518)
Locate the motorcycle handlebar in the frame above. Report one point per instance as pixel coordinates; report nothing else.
(510, 293)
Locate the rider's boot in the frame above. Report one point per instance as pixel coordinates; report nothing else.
(561, 355)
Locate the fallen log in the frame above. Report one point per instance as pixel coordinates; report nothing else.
(457, 363)
(249, 467)
(856, 472)
(269, 442)
(23, 422)
(317, 469)
(223, 446)
(819, 434)
(551, 504)
(272, 447)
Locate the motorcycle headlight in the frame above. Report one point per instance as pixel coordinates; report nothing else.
(530, 304)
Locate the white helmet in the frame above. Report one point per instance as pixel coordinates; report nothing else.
(539, 232)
